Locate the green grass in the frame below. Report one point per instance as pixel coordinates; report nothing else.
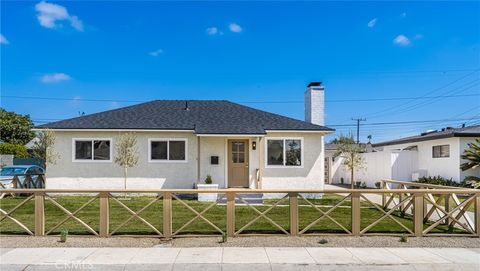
(181, 215)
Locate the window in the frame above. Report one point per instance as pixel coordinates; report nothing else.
(284, 152)
(92, 150)
(441, 151)
(163, 150)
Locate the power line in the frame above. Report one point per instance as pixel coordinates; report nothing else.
(246, 102)
(398, 122)
(397, 107)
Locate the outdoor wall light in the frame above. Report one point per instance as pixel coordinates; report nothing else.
(254, 145)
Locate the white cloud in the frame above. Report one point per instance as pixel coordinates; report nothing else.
(401, 40)
(236, 28)
(3, 40)
(212, 30)
(156, 53)
(372, 22)
(55, 77)
(50, 15)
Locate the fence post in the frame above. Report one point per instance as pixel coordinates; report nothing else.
(418, 206)
(355, 213)
(293, 198)
(477, 214)
(447, 208)
(231, 214)
(384, 196)
(39, 214)
(167, 215)
(104, 214)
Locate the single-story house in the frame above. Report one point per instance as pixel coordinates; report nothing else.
(437, 152)
(181, 142)
(433, 153)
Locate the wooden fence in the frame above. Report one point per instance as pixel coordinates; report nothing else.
(417, 221)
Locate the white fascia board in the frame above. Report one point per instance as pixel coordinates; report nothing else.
(231, 135)
(299, 131)
(111, 130)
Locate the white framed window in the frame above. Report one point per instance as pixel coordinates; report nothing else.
(92, 150)
(441, 151)
(284, 152)
(164, 150)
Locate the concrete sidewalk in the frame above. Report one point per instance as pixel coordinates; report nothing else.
(236, 258)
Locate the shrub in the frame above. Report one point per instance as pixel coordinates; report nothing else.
(438, 180)
(18, 150)
(378, 185)
(404, 238)
(472, 181)
(363, 185)
(63, 235)
(342, 181)
(208, 180)
(357, 184)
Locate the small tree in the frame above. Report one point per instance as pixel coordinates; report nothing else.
(15, 128)
(44, 148)
(472, 155)
(127, 153)
(351, 153)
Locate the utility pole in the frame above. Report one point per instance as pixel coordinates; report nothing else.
(358, 127)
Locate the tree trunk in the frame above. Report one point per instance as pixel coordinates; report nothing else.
(125, 169)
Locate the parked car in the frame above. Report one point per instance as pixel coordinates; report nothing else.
(9, 172)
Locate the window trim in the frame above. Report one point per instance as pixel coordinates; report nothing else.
(150, 160)
(302, 153)
(93, 154)
(440, 146)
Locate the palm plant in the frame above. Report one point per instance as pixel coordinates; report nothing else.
(472, 155)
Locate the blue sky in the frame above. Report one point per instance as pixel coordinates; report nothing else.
(260, 52)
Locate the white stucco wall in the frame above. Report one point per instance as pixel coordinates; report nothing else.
(391, 163)
(217, 146)
(447, 167)
(397, 165)
(310, 175)
(68, 174)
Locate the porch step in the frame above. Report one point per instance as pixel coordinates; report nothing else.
(250, 198)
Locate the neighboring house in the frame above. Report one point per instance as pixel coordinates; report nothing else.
(433, 153)
(181, 142)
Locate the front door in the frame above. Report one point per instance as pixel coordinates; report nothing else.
(238, 163)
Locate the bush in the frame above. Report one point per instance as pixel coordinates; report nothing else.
(18, 151)
(439, 180)
(378, 185)
(208, 180)
(472, 182)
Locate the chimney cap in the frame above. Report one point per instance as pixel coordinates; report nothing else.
(314, 84)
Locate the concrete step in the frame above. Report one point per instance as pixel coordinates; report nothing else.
(250, 198)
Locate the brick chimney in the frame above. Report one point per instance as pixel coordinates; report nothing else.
(315, 103)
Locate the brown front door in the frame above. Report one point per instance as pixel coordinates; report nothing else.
(238, 163)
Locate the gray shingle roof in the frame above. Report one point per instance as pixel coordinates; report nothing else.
(469, 131)
(204, 117)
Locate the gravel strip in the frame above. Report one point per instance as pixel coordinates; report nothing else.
(257, 241)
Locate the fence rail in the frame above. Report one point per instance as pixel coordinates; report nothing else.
(353, 212)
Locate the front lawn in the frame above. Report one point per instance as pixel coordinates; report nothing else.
(181, 215)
